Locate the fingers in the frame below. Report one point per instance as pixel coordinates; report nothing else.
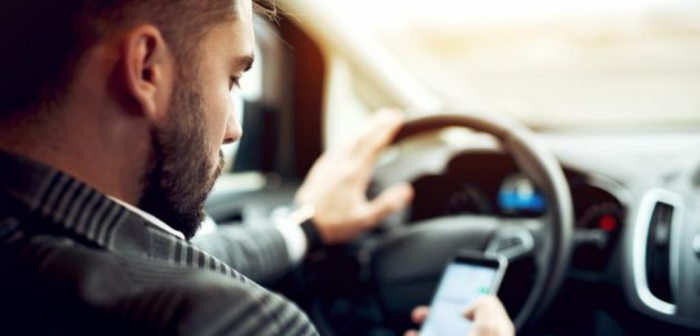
(490, 318)
(381, 131)
(388, 202)
(485, 305)
(419, 314)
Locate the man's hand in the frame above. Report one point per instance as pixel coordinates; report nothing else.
(488, 314)
(490, 318)
(418, 316)
(336, 185)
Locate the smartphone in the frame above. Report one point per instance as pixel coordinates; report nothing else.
(467, 277)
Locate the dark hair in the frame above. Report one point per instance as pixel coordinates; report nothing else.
(42, 41)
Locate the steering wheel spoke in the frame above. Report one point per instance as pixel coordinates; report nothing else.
(513, 242)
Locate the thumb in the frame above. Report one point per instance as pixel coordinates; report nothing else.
(388, 202)
(470, 313)
(487, 305)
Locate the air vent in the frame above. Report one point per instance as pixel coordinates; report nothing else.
(654, 246)
(658, 258)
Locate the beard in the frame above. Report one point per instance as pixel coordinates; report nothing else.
(177, 182)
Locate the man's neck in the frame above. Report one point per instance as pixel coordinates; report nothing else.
(59, 142)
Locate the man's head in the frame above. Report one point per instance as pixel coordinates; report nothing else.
(152, 78)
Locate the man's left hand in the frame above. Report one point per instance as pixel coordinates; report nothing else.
(337, 184)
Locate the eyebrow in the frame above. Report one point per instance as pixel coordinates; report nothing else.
(245, 62)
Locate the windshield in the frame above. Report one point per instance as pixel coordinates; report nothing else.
(551, 63)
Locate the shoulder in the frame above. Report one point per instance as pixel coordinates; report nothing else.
(211, 304)
(137, 295)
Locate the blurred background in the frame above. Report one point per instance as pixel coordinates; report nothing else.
(551, 63)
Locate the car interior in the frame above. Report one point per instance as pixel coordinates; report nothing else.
(563, 135)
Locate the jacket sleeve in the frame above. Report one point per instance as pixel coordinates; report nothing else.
(258, 252)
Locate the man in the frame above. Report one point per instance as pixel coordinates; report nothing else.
(111, 118)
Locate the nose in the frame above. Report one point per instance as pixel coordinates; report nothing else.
(234, 131)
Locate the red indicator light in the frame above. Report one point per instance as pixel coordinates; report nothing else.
(608, 223)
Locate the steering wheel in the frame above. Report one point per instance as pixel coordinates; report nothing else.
(407, 258)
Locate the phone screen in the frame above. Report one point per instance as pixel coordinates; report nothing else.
(461, 285)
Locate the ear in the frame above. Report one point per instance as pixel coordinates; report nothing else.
(147, 67)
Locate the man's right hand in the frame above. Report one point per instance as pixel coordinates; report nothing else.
(489, 316)
(336, 186)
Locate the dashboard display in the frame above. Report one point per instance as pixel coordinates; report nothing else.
(469, 199)
(518, 195)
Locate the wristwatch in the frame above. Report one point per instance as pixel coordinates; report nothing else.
(303, 216)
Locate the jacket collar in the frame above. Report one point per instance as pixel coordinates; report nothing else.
(79, 210)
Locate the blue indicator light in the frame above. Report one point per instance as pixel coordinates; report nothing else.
(511, 201)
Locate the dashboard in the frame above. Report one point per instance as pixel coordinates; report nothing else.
(490, 184)
(635, 198)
